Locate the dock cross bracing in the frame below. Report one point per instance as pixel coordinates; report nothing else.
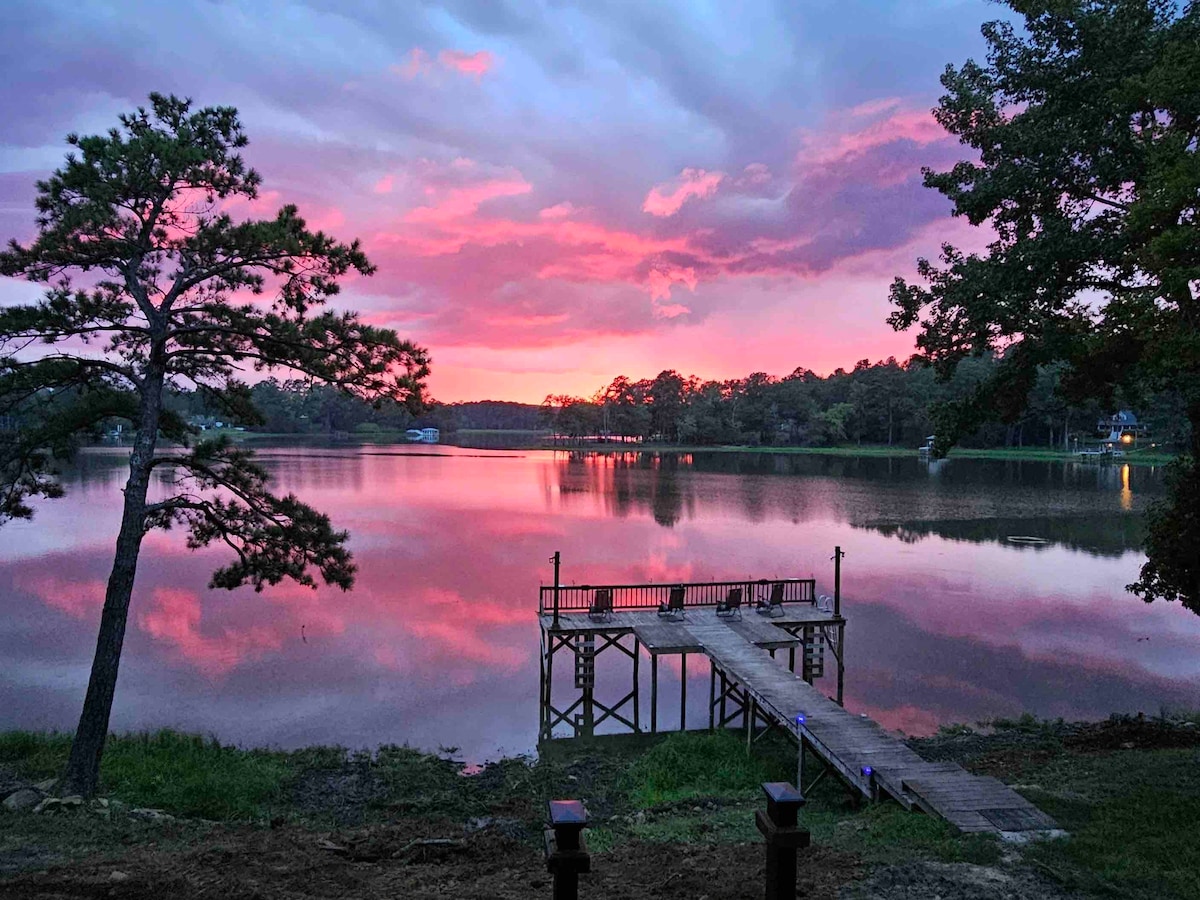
(752, 688)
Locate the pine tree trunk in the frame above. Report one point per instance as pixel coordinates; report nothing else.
(82, 775)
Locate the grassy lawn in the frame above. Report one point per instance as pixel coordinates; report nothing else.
(1130, 802)
(1133, 818)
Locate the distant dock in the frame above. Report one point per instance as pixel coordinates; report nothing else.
(750, 687)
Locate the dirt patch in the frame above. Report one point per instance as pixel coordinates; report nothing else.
(962, 881)
(385, 862)
(1132, 733)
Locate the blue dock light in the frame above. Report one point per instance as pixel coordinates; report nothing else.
(801, 718)
(867, 770)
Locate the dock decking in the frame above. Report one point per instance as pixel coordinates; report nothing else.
(868, 760)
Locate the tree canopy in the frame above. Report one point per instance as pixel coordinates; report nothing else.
(152, 284)
(1083, 124)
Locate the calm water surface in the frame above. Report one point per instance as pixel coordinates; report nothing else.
(438, 643)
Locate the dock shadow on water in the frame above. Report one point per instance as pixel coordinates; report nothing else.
(438, 643)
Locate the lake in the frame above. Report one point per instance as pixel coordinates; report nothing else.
(949, 621)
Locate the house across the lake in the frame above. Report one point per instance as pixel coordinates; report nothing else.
(423, 435)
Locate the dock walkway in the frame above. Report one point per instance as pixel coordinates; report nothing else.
(867, 759)
(863, 754)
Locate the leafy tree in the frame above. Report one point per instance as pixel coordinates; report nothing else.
(666, 397)
(166, 301)
(1085, 126)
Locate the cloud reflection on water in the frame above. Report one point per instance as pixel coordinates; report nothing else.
(438, 642)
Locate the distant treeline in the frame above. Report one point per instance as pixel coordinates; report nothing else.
(297, 407)
(886, 402)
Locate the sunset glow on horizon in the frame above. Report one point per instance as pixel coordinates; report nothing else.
(553, 196)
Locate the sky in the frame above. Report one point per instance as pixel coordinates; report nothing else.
(554, 193)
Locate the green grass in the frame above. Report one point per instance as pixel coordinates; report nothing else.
(1132, 816)
(183, 774)
(688, 765)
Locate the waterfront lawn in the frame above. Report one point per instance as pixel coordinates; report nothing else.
(1126, 790)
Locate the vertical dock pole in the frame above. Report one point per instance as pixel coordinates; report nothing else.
(683, 692)
(557, 560)
(837, 581)
(653, 692)
(837, 612)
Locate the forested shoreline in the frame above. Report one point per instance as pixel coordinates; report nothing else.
(886, 403)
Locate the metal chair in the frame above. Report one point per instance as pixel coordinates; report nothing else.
(772, 606)
(601, 609)
(731, 606)
(673, 608)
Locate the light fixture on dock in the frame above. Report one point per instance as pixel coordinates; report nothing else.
(867, 770)
(801, 718)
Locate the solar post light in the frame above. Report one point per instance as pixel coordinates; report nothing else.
(779, 825)
(566, 853)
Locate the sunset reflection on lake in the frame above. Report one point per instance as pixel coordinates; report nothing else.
(438, 643)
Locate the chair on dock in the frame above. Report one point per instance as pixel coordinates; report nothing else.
(773, 606)
(731, 606)
(601, 609)
(674, 605)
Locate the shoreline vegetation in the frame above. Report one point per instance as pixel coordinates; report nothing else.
(670, 815)
(529, 439)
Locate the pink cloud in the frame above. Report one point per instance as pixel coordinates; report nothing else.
(459, 202)
(848, 138)
(754, 175)
(416, 63)
(78, 599)
(476, 64)
(558, 211)
(385, 184)
(667, 199)
(663, 276)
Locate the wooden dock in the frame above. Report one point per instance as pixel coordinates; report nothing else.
(751, 687)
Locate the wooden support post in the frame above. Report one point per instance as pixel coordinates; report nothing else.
(837, 580)
(841, 663)
(637, 705)
(557, 560)
(550, 686)
(800, 763)
(748, 709)
(653, 692)
(780, 826)
(792, 659)
(543, 707)
(683, 692)
(712, 695)
(724, 693)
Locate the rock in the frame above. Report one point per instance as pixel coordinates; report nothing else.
(59, 804)
(47, 786)
(117, 876)
(151, 815)
(25, 798)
